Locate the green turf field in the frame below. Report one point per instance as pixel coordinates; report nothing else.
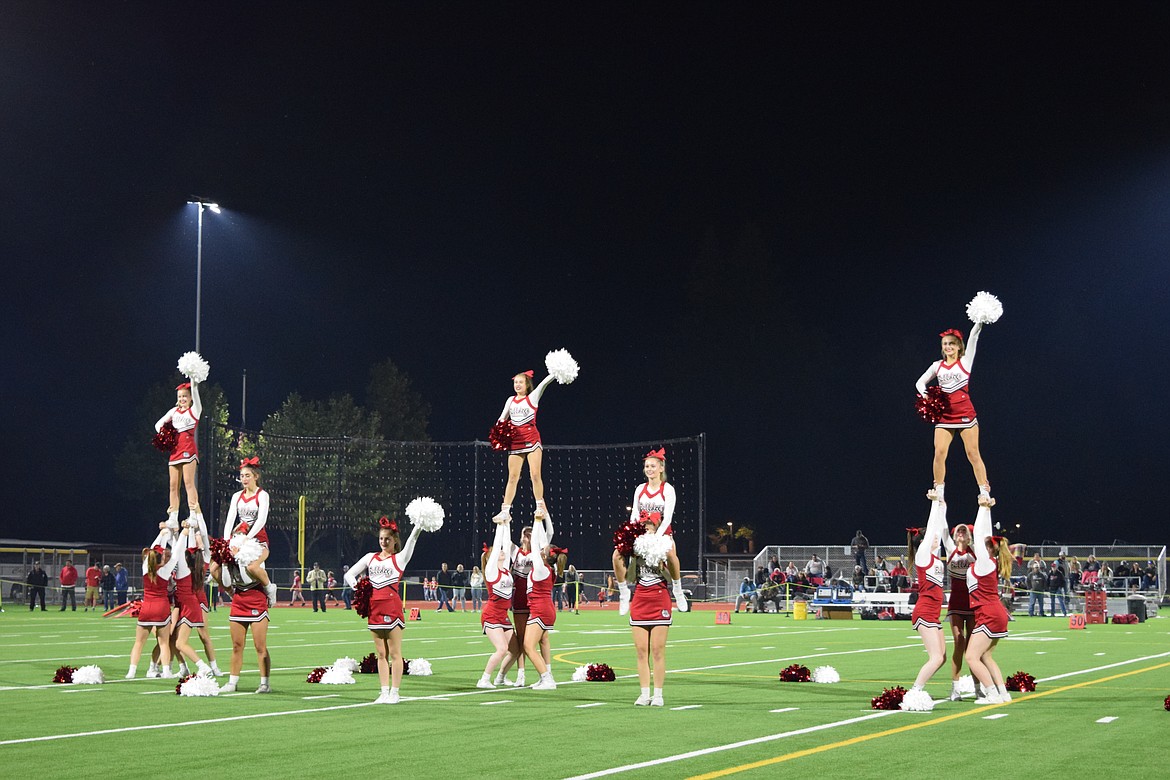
(1098, 707)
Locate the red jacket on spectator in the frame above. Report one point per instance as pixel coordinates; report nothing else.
(68, 576)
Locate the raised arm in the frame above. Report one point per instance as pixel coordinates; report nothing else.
(358, 569)
(927, 375)
(503, 540)
(668, 515)
(407, 551)
(538, 391)
(196, 404)
(984, 563)
(969, 356)
(936, 529)
(540, 570)
(178, 552)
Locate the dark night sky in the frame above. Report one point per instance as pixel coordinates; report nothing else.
(748, 221)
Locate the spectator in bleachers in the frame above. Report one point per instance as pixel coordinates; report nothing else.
(1057, 587)
(1074, 574)
(898, 576)
(1149, 576)
(1037, 585)
(791, 571)
(1036, 559)
(1121, 575)
(881, 580)
(1105, 580)
(761, 576)
(858, 578)
(860, 547)
(769, 592)
(815, 569)
(773, 563)
(747, 594)
(1092, 564)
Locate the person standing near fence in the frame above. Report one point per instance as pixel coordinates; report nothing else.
(860, 546)
(68, 579)
(572, 587)
(121, 583)
(107, 584)
(445, 578)
(93, 583)
(37, 580)
(477, 588)
(316, 580)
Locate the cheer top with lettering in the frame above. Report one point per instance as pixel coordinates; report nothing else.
(248, 513)
(660, 501)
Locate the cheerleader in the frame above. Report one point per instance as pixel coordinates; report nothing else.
(952, 374)
(188, 584)
(521, 410)
(542, 615)
(248, 514)
(650, 620)
(386, 619)
(521, 569)
(494, 617)
(654, 498)
(158, 562)
(959, 612)
(249, 611)
(184, 458)
(927, 610)
(992, 561)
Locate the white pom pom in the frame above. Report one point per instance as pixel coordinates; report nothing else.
(426, 513)
(337, 675)
(245, 550)
(917, 701)
(580, 674)
(200, 685)
(346, 663)
(985, 308)
(194, 367)
(652, 548)
(419, 667)
(89, 675)
(966, 685)
(561, 366)
(825, 674)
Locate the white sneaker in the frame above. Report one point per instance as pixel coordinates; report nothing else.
(539, 514)
(271, 594)
(1005, 696)
(519, 680)
(183, 670)
(215, 670)
(955, 695)
(548, 684)
(624, 602)
(484, 683)
(130, 675)
(152, 673)
(228, 688)
(503, 516)
(642, 701)
(384, 698)
(167, 674)
(656, 701)
(502, 681)
(395, 697)
(989, 698)
(680, 599)
(264, 688)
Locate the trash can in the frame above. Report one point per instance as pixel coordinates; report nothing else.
(800, 610)
(1136, 605)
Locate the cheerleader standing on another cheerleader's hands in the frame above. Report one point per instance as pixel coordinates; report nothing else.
(655, 497)
(386, 619)
(183, 464)
(521, 410)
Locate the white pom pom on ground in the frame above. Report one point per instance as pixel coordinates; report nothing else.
(346, 663)
(426, 513)
(89, 675)
(194, 367)
(985, 308)
(580, 674)
(561, 366)
(966, 684)
(337, 675)
(652, 548)
(245, 550)
(199, 686)
(825, 674)
(917, 701)
(419, 667)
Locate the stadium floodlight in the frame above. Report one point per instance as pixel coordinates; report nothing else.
(201, 203)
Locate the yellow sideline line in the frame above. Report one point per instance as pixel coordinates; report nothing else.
(911, 726)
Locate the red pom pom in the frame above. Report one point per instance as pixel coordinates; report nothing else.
(889, 700)
(933, 407)
(183, 679)
(795, 673)
(369, 664)
(64, 674)
(1020, 681)
(315, 675)
(361, 597)
(405, 666)
(1167, 703)
(500, 435)
(599, 673)
(166, 439)
(221, 552)
(624, 536)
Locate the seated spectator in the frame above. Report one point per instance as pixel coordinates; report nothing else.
(1121, 575)
(1092, 564)
(791, 571)
(898, 576)
(765, 594)
(881, 580)
(858, 578)
(1074, 573)
(1149, 576)
(777, 577)
(761, 575)
(815, 570)
(747, 595)
(1105, 576)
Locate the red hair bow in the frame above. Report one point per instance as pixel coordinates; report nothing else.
(659, 453)
(952, 332)
(998, 540)
(486, 547)
(913, 531)
(558, 550)
(386, 522)
(158, 549)
(528, 373)
(253, 461)
(184, 386)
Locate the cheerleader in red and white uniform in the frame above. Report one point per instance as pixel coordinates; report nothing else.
(952, 374)
(497, 577)
(158, 562)
(650, 620)
(247, 515)
(249, 612)
(184, 459)
(520, 568)
(926, 616)
(521, 410)
(654, 498)
(542, 613)
(188, 584)
(960, 556)
(387, 618)
(992, 561)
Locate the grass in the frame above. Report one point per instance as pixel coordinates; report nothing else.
(739, 715)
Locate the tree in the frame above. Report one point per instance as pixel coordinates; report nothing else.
(403, 413)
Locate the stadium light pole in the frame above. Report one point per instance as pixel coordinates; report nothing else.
(200, 204)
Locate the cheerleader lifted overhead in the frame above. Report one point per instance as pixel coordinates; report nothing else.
(176, 436)
(515, 430)
(653, 500)
(950, 405)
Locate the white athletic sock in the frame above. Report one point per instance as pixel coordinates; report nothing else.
(263, 680)
(646, 692)
(133, 670)
(658, 693)
(386, 689)
(233, 679)
(153, 667)
(985, 490)
(215, 668)
(393, 690)
(183, 670)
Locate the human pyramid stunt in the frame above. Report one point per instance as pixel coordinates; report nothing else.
(975, 559)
